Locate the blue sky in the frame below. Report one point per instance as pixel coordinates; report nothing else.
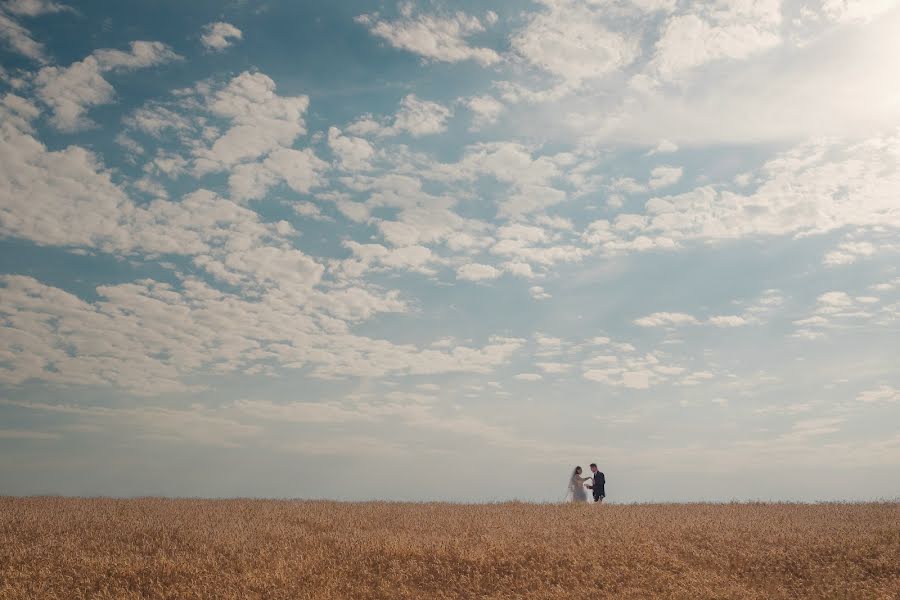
(449, 251)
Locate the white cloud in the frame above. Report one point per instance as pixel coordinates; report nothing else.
(629, 185)
(477, 272)
(651, 6)
(519, 269)
(353, 153)
(665, 319)
(848, 252)
(886, 286)
(696, 378)
(690, 40)
(368, 256)
(71, 91)
(20, 40)
(538, 293)
(784, 94)
(299, 169)
(17, 113)
(664, 147)
(485, 110)
(155, 120)
(434, 37)
(622, 365)
(571, 41)
(73, 202)
(815, 427)
(728, 321)
(840, 310)
(528, 377)
(833, 300)
(420, 117)
(415, 116)
(664, 176)
(146, 337)
(884, 393)
(129, 143)
(546, 341)
(862, 11)
(34, 8)
(811, 189)
(218, 36)
(784, 409)
(261, 122)
(309, 210)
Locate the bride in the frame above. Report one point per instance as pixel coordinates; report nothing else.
(577, 493)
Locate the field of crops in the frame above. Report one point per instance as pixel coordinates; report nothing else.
(157, 548)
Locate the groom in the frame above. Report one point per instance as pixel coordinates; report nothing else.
(599, 484)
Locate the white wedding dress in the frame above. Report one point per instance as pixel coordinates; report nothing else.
(577, 491)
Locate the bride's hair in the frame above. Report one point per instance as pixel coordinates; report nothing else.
(576, 471)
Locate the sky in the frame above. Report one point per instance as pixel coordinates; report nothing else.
(449, 250)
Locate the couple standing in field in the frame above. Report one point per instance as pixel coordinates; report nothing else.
(577, 491)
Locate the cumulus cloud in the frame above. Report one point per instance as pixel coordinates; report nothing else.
(260, 121)
(485, 110)
(812, 189)
(870, 244)
(19, 39)
(71, 91)
(528, 377)
(572, 42)
(438, 38)
(739, 31)
(538, 293)
(34, 8)
(353, 153)
(664, 147)
(784, 91)
(728, 321)
(884, 393)
(618, 364)
(420, 117)
(669, 320)
(415, 117)
(839, 310)
(665, 319)
(72, 201)
(477, 272)
(859, 11)
(664, 176)
(218, 36)
(373, 256)
(147, 336)
(298, 169)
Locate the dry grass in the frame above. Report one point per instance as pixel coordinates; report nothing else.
(156, 548)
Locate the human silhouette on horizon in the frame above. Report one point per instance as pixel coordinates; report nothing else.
(598, 486)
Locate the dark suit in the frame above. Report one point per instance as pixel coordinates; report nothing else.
(599, 484)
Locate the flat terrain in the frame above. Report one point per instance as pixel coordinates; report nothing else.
(156, 548)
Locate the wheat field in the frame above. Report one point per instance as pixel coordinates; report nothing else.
(230, 549)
